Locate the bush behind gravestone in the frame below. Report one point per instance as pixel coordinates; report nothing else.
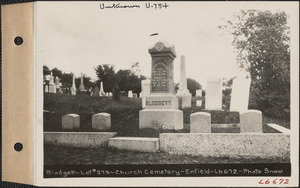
(277, 107)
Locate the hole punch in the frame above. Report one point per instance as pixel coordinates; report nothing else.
(18, 40)
(18, 146)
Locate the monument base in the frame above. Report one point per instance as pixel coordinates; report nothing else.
(185, 100)
(161, 119)
(73, 91)
(155, 101)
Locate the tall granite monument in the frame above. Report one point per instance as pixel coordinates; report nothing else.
(161, 110)
(183, 94)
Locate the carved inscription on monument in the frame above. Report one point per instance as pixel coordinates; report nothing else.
(160, 76)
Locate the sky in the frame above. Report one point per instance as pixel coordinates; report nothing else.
(77, 36)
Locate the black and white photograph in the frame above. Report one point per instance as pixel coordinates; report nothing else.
(167, 90)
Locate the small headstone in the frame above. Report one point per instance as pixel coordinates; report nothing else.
(110, 94)
(130, 93)
(141, 94)
(106, 94)
(251, 121)
(101, 121)
(199, 103)
(134, 95)
(213, 97)
(96, 91)
(200, 122)
(199, 93)
(46, 89)
(71, 121)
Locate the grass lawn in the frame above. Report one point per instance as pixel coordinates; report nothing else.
(125, 121)
(125, 115)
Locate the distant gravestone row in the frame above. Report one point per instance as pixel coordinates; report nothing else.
(100, 121)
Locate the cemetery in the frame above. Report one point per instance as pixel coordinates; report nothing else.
(163, 124)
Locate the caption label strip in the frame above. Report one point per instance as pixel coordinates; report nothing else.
(170, 170)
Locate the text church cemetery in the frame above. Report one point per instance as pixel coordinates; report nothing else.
(161, 120)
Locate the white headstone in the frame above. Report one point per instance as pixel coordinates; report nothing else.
(71, 121)
(130, 93)
(251, 121)
(199, 93)
(46, 89)
(110, 94)
(141, 94)
(200, 122)
(199, 103)
(240, 95)
(213, 97)
(101, 121)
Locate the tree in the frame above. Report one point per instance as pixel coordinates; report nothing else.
(262, 41)
(46, 70)
(56, 72)
(106, 74)
(193, 85)
(129, 81)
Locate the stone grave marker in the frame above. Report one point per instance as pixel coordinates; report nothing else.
(200, 122)
(130, 93)
(161, 104)
(199, 103)
(81, 87)
(213, 97)
(101, 92)
(46, 89)
(251, 121)
(73, 88)
(183, 93)
(240, 95)
(134, 95)
(101, 121)
(71, 121)
(199, 93)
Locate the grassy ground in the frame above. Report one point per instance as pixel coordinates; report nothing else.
(125, 114)
(125, 120)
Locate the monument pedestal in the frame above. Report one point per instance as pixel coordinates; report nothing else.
(185, 98)
(161, 119)
(73, 91)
